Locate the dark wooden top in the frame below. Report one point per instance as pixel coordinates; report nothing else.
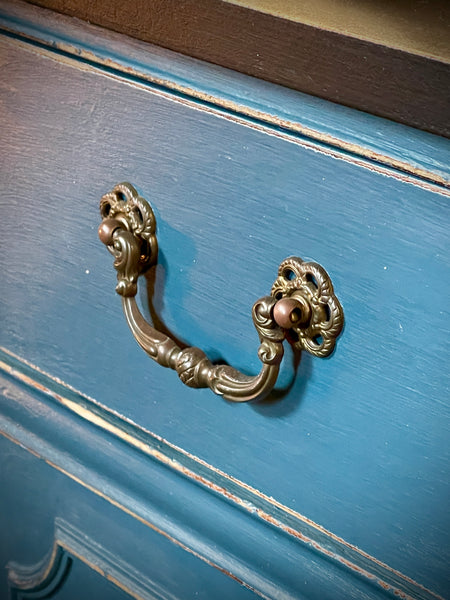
(393, 82)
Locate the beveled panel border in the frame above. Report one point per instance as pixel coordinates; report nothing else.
(44, 578)
(230, 525)
(376, 77)
(375, 143)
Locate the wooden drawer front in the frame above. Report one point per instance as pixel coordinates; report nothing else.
(357, 442)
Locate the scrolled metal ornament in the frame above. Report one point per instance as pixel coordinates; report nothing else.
(310, 285)
(302, 304)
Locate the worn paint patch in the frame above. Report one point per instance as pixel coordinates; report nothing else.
(243, 501)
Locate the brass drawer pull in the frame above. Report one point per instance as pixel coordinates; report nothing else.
(302, 305)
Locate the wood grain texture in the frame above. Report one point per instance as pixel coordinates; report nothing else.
(240, 97)
(357, 442)
(378, 79)
(418, 26)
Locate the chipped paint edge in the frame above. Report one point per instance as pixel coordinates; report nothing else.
(231, 109)
(69, 542)
(236, 492)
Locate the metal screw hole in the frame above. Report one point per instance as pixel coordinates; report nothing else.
(296, 315)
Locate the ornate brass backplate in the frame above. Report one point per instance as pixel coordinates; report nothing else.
(302, 305)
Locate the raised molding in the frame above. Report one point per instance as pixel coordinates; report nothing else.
(90, 435)
(42, 580)
(376, 143)
(390, 73)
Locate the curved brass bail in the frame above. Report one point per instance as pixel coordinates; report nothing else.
(302, 302)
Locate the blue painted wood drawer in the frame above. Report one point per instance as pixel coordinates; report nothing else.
(335, 487)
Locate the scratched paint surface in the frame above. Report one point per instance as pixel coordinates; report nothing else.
(387, 142)
(358, 441)
(18, 407)
(161, 569)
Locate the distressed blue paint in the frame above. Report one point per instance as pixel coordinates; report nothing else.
(29, 528)
(277, 553)
(359, 443)
(233, 92)
(77, 562)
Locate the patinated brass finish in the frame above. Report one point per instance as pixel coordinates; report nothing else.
(302, 304)
(322, 317)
